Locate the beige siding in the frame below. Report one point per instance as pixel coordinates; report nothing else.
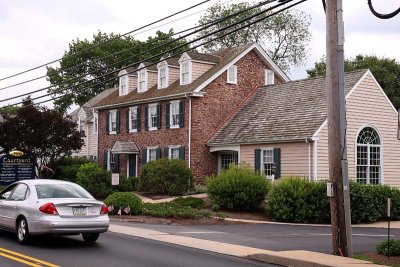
(173, 75)
(367, 106)
(294, 157)
(199, 69)
(132, 83)
(152, 79)
(92, 140)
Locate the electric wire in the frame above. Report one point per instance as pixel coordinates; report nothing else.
(382, 16)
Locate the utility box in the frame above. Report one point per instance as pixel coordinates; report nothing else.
(329, 189)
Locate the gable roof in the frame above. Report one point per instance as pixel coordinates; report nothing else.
(284, 112)
(203, 57)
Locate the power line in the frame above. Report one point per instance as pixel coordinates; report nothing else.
(382, 16)
(119, 36)
(122, 51)
(204, 26)
(196, 46)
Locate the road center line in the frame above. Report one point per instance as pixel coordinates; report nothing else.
(34, 262)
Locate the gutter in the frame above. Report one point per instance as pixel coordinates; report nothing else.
(262, 142)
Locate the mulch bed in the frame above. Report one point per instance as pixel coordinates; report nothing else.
(392, 261)
(170, 221)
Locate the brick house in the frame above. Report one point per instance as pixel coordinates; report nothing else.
(173, 108)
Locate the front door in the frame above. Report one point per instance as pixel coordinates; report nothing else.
(132, 165)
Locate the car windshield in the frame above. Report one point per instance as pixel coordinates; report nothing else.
(61, 191)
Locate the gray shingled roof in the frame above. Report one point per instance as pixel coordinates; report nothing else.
(203, 57)
(124, 147)
(284, 112)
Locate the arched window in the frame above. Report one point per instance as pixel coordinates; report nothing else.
(368, 156)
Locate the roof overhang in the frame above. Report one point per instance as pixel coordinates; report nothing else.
(125, 147)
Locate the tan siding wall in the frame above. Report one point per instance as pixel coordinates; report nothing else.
(132, 83)
(92, 140)
(199, 69)
(173, 75)
(367, 106)
(294, 157)
(152, 79)
(322, 155)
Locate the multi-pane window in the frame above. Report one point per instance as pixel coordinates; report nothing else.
(232, 74)
(174, 152)
(113, 121)
(111, 161)
(228, 159)
(142, 81)
(162, 82)
(95, 122)
(151, 154)
(174, 114)
(185, 72)
(133, 119)
(123, 85)
(81, 123)
(268, 162)
(269, 77)
(153, 116)
(368, 166)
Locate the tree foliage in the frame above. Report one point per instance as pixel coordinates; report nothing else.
(80, 64)
(41, 132)
(385, 70)
(285, 36)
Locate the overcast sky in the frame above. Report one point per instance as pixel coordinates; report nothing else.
(35, 32)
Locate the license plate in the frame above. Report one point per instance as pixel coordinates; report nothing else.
(79, 211)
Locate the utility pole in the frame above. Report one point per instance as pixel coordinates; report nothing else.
(338, 173)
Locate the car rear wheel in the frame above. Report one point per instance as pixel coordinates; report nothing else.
(90, 238)
(23, 235)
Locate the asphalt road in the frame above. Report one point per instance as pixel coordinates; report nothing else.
(277, 237)
(110, 250)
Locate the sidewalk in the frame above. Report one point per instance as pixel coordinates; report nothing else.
(298, 258)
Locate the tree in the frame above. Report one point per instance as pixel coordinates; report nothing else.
(285, 36)
(40, 132)
(385, 70)
(79, 61)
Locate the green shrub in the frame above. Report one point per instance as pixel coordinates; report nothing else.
(64, 168)
(383, 248)
(166, 176)
(192, 202)
(95, 179)
(123, 200)
(238, 188)
(125, 184)
(298, 200)
(171, 210)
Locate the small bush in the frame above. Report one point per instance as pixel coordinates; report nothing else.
(166, 176)
(215, 207)
(238, 188)
(95, 179)
(64, 168)
(192, 202)
(171, 210)
(383, 248)
(125, 184)
(123, 200)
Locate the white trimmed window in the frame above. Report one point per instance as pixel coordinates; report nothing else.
(142, 81)
(267, 161)
(269, 77)
(111, 161)
(95, 122)
(113, 121)
(153, 117)
(173, 152)
(232, 74)
(228, 159)
(133, 119)
(174, 114)
(162, 77)
(369, 165)
(151, 154)
(123, 85)
(81, 123)
(186, 72)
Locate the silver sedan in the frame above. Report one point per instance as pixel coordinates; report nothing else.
(35, 207)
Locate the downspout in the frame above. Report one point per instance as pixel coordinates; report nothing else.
(190, 130)
(309, 160)
(315, 158)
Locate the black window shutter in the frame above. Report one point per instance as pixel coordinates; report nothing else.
(116, 163)
(166, 152)
(144, 156)
(158, 116)
(107, 122)
(257, 159)
(138, 121)
(167, 114)
(132, 165)
(105, 159)
(127, 120)
(182, 153)
(117, 124)
(277, 162)
(158, 153)
(146, 117)
(181, 113)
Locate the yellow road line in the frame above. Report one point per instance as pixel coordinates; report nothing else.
(25, 257)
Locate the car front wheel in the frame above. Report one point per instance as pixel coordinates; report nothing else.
(90, 238)
(23, 235)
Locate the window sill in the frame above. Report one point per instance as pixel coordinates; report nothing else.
(153, 129)
(132, 131)
(112, 133)
(174, 127)
(234, 83)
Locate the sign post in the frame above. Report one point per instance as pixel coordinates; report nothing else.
(16, 166)
(115, 179)
(389, 205)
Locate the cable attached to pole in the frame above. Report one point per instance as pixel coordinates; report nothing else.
(379, 15)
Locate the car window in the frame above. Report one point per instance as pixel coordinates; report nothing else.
(5, 194)
(19, 192)
(61, 191)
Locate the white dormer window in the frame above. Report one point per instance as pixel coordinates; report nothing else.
(142, 81)
(269, 77)
(232, 75)
(186, 76)
(123, 85)
(162, 77)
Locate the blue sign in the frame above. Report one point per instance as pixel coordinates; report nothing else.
(16, 166)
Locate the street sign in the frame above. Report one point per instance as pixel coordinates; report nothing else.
(115, 179)
(16, 166)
